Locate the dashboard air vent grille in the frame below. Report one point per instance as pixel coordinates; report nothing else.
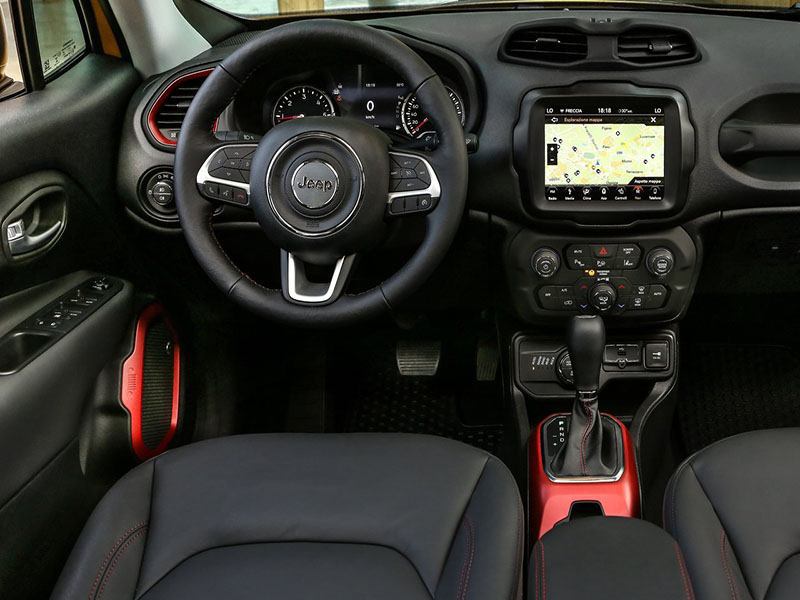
(548, 44)
(169, 110)
(656, 45)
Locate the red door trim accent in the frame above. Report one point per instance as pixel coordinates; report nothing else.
(133, 378)
(152, 126)
(551, 502)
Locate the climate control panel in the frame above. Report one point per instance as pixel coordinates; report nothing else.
(646, 276)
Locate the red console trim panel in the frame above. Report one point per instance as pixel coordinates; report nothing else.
(551, 501)
(133, 381)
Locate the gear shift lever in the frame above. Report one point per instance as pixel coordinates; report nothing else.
(590, 449)
(586, 342)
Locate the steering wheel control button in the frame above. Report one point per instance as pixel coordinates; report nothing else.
(660, 262)
(226, 193)
(545, 262)
(236, 152)
(408, 174)
(405, 162)
(240, 197)
(315, 183)
(410, 185)
(404, 205)
(228, 174)
(210, 190)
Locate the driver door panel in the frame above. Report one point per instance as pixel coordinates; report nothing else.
(59, 148)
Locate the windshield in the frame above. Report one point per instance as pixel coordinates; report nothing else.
(266, 8)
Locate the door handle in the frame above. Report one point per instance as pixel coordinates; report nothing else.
(22, 242)
(35, 223)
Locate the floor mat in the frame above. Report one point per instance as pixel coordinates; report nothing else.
(451, 403)
(728, 389)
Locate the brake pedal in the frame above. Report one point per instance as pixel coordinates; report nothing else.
(418, 358)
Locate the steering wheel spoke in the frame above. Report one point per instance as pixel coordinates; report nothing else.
(298, 287)
(225, 174)
(414, 187)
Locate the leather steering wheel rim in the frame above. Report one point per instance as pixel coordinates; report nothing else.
(197, 142)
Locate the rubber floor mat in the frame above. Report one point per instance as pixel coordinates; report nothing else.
(381, 400)
(728, 389)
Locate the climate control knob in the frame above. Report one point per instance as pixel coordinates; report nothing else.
(660, 262)
(602, 296)
(545, 262)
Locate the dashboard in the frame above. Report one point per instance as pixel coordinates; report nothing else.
(601, 138)
(368, 93)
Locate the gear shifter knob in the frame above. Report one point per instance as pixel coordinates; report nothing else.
(586, 342)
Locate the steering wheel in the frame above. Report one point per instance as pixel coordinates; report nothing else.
(322, 189)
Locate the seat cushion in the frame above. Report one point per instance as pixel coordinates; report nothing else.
(301, 516)
(733, 507)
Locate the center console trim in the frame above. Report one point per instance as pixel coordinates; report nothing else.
(616, 476)
(551, 502)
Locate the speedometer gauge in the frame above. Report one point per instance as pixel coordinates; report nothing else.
(302, 101)
(414, 120)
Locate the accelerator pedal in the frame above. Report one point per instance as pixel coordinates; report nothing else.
(487, 359)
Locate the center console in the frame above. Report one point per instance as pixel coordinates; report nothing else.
(599, 165)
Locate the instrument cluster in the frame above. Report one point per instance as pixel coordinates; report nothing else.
(369, 93)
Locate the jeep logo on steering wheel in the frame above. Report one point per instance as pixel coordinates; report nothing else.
(315, 183)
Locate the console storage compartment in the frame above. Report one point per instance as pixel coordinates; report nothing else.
(607, 558)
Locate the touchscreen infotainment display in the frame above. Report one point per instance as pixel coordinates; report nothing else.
(601, 149)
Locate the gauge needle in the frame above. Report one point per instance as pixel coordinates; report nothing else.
(420, 126)
(290, 117)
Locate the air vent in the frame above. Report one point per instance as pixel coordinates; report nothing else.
(168, 111)
(656, 46)
(559, 45)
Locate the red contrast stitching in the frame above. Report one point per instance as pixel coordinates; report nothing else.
(111, 552)
(518, 555)
(687, 586)
(583, 438)
(466, 569)
(536, 574)
(117, 558)
(544, 579)
(726, 565)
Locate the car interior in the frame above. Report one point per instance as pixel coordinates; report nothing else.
(399, 299)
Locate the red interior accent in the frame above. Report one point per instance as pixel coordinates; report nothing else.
(551, 502)
(162, 98)
(132, 380)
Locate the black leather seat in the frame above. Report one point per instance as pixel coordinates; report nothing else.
(305, 516)
(734, 508)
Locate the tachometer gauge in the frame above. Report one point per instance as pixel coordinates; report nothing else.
(302, 101)
(414, 120)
